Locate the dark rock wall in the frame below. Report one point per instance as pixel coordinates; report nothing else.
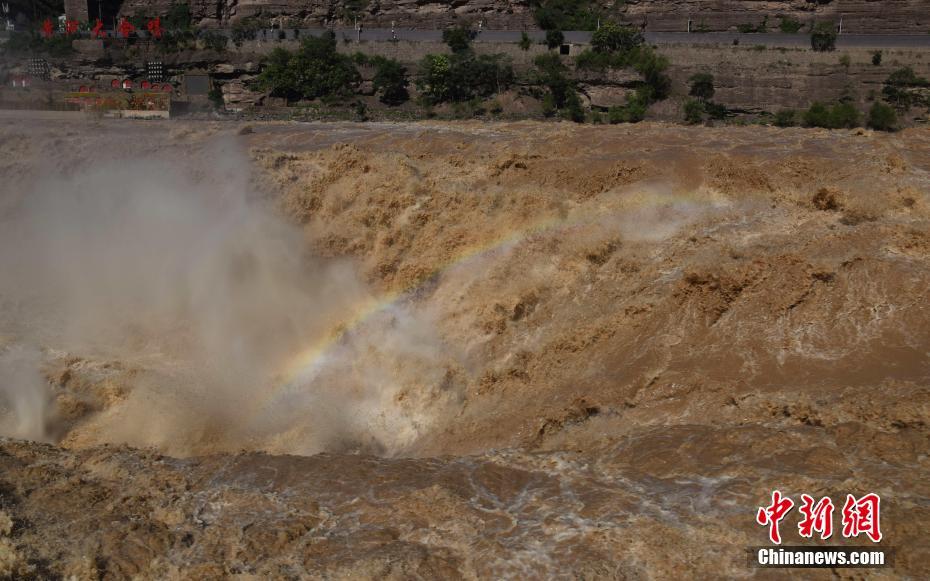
(861, 16)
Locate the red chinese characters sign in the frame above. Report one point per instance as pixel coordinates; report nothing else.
(154, 28)
(859, 516)
(97, 31)
(125, 28)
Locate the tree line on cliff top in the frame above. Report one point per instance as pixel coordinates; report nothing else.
(317, 70)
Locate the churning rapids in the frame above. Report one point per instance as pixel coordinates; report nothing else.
(454, 350)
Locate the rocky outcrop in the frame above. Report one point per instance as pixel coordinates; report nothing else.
(502, 14)
(860, 16)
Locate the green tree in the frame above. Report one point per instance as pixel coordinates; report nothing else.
(243, 30)
(573, 108)
(563, 96)
(178, 16)
(702, 86)
(898, 88)
(554, 38)
(715, 110)
(390, 81)
(567, 14)
(548, 105)
(882, 117)
(551, 73)
(634, 110)
(435, 78)
(694, 111)
(652, 67)
(214, 41)
(823, 37)
(462, 76)
(844, 115)
(314, 71)
(836, 116)
(216, 97)
(458, 38)
(612, 37)
(786, 118)
(789, 25)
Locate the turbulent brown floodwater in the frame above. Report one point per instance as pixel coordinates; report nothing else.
(455, 350)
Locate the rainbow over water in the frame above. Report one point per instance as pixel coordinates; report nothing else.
(303, 366)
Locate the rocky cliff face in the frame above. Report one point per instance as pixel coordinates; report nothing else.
(504, 14)
(861, 16)
(858, 16)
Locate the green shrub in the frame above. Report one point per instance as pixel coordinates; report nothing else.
(652, 66)
(390, 81)
(635, 109)
(562, 96)
(178, 17)
(458, 38)
(139, 19)
(525, 41)
(361, 111)
(554, 38)
(752, 28)
(548, 105)
(173, 42)
(573, 109)
(882, 117)
(567, 14)
(216, 97)
(845, 60)
(898, 88)
(434, 78)
(615, 46)
(786, 118)
(789, 25)
(694, 111)
(599, 61)
(462, 76)
(612, 38)
(551, 73)
(823, 37)
(836, 116)
(877, 58)
(702, 86)
(715, 110)
(845, 115)
(243, 30)
(214, 41)
(818, 115)
(314, 71)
